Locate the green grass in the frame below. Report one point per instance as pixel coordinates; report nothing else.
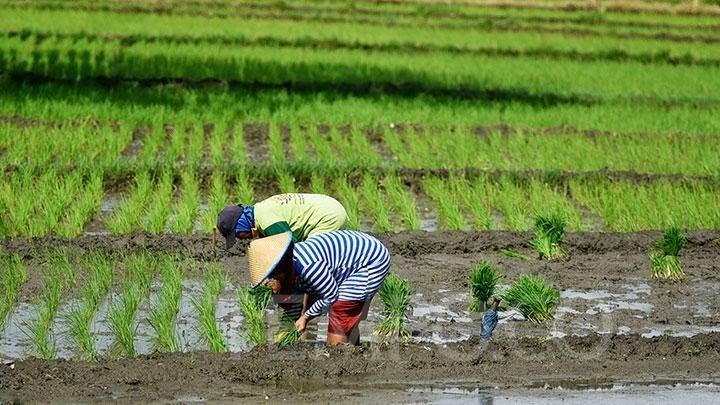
(395, 294)
(533, 297)
(483, 280)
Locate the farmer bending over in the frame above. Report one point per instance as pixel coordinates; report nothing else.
(304, 215)
(344, 269)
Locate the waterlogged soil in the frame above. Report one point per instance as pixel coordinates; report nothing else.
(615, 325)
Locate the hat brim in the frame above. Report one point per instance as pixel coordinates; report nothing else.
(265, 254)
(230, 240)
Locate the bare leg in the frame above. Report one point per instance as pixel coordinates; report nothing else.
(334, 339)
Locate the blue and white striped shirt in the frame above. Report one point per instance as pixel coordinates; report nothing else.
(340, 265)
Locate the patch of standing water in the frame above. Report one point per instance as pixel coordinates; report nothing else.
(610, 302)
(678, 330)
(14, 343)
(187, 328)
(230, 319)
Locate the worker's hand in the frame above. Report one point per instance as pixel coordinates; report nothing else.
(301, 323)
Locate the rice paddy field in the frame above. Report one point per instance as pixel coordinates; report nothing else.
(562, 154)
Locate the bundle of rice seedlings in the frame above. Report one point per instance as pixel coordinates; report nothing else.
(549, 233)
(483, 280)
(253, 302)
(288, 333)
(395, 295)
(533, 297)
(664, 263)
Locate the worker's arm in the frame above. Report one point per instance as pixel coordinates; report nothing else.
(321, 281)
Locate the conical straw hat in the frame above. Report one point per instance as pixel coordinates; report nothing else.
(264, 255)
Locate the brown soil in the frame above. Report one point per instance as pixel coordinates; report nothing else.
(437, 264)
(318, 373)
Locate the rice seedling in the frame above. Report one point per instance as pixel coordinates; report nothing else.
(253, 302)
(671, 242)
(157, 211)
(165, 309)
(448, 208)
(194, 149)
(317, 184)
(244, 187)
(549, 233)
(483, 280)
(185, 209)
(205, 306)
(13, 276)
(474, 199)
(47, 304)
(375, 204)
(533, 297)
(395, 294)
(93, 291)
(350, 200)
(664, 263)
(215, 201)
(514, 254)
(403, 202)
(216, 146)
(83, 208)
(286, 182)
(288, 333)
(125, 218)
(135, 286)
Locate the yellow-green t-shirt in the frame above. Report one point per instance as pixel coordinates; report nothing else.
(303, 214)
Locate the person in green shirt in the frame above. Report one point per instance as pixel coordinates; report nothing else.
(304, 215)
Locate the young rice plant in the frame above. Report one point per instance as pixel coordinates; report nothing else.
(483, 280)
(664, 263)
(395, 294)
(549, 233)
(533, 297)
(205, 306)
(253, 302)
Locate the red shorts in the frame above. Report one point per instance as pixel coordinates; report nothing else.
(345, 315)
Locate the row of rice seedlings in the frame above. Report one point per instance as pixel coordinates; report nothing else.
(185, 209)
(299, 147)
(317, 184)
(92, 293)
(158, 210)
(322, 149)
(549, 233)
(533, 297)
(253, 303)
(238, 151)
(473, 198)
(167, 306)
(350, 200)
(152, 143)
(84, 208)
(276, 146)
(139, 269)
(402, 201)
(483, 281)
(194, 147)
(449, 212)
(205, 306)
(175, 147)
(125, 218)
(215, 202)
(375, 204)
(60, 273)
(395, 294)
(512, 202)
(216, 146)
(664, 262)
(13, 276)
(244, 190)
(286, 182)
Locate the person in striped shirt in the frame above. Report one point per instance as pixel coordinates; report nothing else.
(344, 269)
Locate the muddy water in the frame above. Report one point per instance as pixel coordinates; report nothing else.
(441, 318)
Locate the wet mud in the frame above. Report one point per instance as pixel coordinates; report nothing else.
(614, 325)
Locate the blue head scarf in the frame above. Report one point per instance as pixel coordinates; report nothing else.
(246, 222)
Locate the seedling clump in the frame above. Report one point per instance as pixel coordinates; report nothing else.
(664, 263)
(533, 297)
(483, 280)
(288, 333)
(253, 302)
(395, 295)
(549, 233)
